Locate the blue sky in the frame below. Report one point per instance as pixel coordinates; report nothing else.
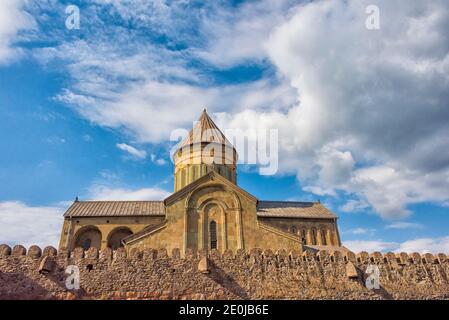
(362, 114)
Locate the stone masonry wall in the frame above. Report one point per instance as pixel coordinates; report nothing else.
(152, 274)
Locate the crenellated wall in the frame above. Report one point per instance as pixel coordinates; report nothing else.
(152, 274)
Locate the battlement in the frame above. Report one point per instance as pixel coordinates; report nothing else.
(253, 274)
(323, 256)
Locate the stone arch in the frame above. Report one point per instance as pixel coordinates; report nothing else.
(212, 210)
(217, 202)
(116, 236)
(201, 194)
(87, 237)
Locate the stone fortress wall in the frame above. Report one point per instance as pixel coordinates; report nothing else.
(257, 274)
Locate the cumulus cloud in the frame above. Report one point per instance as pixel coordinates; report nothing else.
(372, 118)
(424, 245)
(136, 153)
(13, 19)
(41, 225)
(420, 245)
(369, 245)
(29, 225)
(359, 112)
(238, 35)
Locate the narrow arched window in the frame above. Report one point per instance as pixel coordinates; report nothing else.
(293, 229)
(213, 235)
(303, 236)
(323, 237)
(313, 236)
(87, 243)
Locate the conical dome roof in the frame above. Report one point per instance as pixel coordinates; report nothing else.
(204, 149)
(205, 131)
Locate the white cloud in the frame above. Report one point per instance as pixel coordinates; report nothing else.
(55, 140)
(355, 206)
(151, 110)
(372, 118)
(41, 225)
(13, 19)
(420, 245)
(358, 112)
(29, 225)
(102, 192)
(136, 153)
(424, 245)
(237, 35)
(158, 161)
(358, 231)
(404, 225)
(369, 245)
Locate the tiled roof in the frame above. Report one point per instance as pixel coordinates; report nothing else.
(115, 208)
(286, 209)
(205, 130)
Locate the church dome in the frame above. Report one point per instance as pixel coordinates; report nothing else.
(204, 149)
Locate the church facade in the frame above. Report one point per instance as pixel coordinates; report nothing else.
(208, 210)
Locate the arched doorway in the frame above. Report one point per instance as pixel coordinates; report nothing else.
(116, 236)
(88, 237)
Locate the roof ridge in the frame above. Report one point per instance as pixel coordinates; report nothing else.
(116, 208)
(85, 201)
(286, 201)
(203, 124)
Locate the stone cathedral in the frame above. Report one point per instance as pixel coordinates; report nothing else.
(208, 210)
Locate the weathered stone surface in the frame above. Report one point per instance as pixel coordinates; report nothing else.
(34, 252)
(203, 265)
(46, 265)
(249, 275)
(5, 250)
(50, 251)
(351, 271)
(106, 254)
(92, 253)
(442, 258)
(19, 250)
(78, 253)
(363, 257)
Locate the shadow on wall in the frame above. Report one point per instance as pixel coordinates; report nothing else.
(226, 281)
(17, 286)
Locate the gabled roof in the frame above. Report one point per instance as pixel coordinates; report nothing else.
(287, 209)
(212, 175)
(205, 130)
(115, 208)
